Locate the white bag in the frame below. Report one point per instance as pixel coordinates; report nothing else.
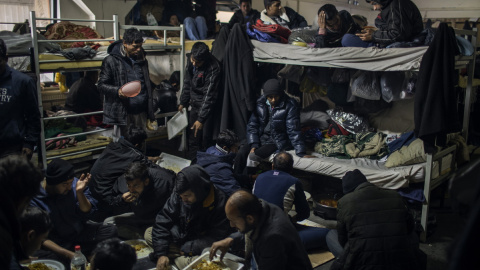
(151, 21)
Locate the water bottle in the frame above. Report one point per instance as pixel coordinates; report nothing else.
(79, 262)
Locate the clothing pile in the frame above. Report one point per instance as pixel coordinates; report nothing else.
(268, 32)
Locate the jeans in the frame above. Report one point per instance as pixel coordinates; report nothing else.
(333, 244)
(351, 40)
(312, 237)
(196, 28)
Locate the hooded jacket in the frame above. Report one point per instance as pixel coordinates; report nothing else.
(220, 168)
(399, 20)
(334, 39)
(284, 127)
(200, 87)
(294, 20)
(114, 75)
(192, 227)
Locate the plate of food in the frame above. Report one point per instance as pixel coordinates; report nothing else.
(142, 249)
(45, 265)
(203, 262)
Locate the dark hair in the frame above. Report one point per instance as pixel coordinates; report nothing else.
(181, 184)
(283, 161)
(112, 254)
(136, 170)
(34, 218)
(135, 135)
(132, 35)
(3, 50)
(200, 51)
(19, 178)
(241, 1)
(246, 203)
(330, 11)
(227, 138)
(175, 77)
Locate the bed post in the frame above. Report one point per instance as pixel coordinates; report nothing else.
(426, 193)
(116, 30)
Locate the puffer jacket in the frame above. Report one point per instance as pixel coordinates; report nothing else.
(112, 77)
(285, 125)
(192, 227)
(399, 20)
(374, 226)
(200, 87)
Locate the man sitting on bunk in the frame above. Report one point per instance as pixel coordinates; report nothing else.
(143, 191)
(332, 26)
(398, 21)
(83, 96)
(244, 14)
(274, 13)
(285, 191)
(111, 165)
(125, 63)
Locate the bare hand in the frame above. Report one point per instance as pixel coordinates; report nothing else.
(129, 197)
(120, 94)
(252, 150)
(366, 35)
(27, 152)
(222, 245)
(154, 159)
(83, 182)
(321, 20)
(196, 127)
(162, 263)
(180, 108)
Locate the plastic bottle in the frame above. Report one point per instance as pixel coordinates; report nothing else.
(79, 262)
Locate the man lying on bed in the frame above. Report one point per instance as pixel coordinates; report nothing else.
(332, 26)
(274, 13)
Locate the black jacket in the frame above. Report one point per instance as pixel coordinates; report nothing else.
(374, 226)
(285, 125)
(153, 197)
(192, 227)
(83, 96)
(200, 87)
(238, 17)
(334, 39)
(112, 77)
(399, 20)
(9, 229)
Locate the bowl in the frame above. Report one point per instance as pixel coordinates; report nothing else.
(131, 89)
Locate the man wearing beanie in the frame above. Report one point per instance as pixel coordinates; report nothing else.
(274, 13)
(374, 229)
(200, 91)
(68, 201)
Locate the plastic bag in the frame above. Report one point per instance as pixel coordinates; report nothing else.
(408, 86)
(391, 83)
(151, 21)
(292, 73)
(306, 35)
(341, 75)
(365, 84)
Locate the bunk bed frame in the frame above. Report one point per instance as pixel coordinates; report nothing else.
(155, 49)
(461, 62)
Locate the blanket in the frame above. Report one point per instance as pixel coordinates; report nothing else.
(364, 144)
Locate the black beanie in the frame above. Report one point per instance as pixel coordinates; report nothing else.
(58, 171)
(352, 180)
(272, 87)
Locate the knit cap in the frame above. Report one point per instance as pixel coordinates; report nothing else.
(272, 87)
(352, 180)
(58, 171)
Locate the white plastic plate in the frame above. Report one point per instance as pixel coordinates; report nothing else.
(177, 123)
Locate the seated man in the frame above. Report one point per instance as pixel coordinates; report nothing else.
(332, 26)
(244, 14)
(83, 96)
(271, 241)
(35, 224)
(285, 191)
(398, 21)
(191, 220)
(69, 203)
(374, 228)
(274, 13)
(143, 191)
(218, 162)
(111, 165)
(112, 254)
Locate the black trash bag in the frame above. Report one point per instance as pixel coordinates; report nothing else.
(341, 75)
(408, 86)
(365, 106)
(338, 93)
(391, 83)
(365, 84)
(306, 35)
(292, 73)
(319, 75)
(164, 98)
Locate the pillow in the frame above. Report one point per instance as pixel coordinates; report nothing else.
(407, 155)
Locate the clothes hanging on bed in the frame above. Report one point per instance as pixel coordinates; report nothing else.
(436, 111)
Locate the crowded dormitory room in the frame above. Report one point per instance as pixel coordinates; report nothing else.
(243, 134)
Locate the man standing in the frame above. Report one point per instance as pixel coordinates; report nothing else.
(200, 91)
(271, 241)
(19, 113)
(244, 14)
(274, 13)
(126, 63)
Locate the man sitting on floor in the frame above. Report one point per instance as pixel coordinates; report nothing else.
(333, 25)
(274, 13)
(143, 191)
(271, 241)
(285, 191)
(112, 254)
(191, 220)
(69, 203)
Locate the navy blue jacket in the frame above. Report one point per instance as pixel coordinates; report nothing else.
(20, 121)
(220, 168)
(285, 125)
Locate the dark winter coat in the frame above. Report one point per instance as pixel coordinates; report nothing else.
(20, 121)
(220, 168)
(399, 20)
(83, 96)
(153, 197)
(285, 125)
(114, 75)
(374, 226)
(334, 39)
(238, 17)
(9, 229)
(165, 97)
(200, 87)
(192, 227)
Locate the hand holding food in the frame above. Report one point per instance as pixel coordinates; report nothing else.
(129, 197)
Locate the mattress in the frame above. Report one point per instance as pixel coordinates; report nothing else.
(65, 64)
